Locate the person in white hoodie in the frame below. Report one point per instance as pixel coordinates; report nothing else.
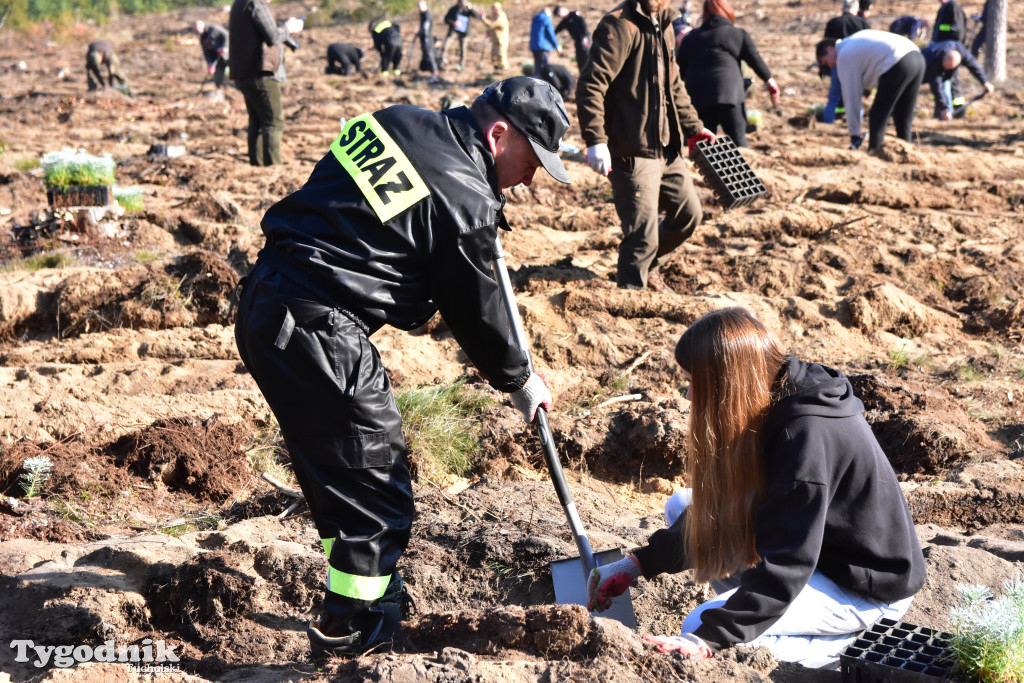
(870, 60)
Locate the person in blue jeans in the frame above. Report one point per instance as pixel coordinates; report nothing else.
(795, 515)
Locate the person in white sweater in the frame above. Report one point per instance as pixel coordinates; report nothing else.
(870, 60)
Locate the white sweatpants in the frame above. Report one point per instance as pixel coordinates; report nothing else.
(818, 625)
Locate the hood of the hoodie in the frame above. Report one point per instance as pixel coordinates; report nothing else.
(809, 389)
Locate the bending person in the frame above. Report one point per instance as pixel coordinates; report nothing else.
(796, 515)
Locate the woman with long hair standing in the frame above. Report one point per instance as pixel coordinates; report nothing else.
(709, 59)
(795, 515)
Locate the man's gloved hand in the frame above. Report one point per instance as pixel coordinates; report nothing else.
(686, 644)
(704, 134)
(533, 394)
(773, 90)
(855, 141)
(210, 69)
(610, 581)
(599, 158)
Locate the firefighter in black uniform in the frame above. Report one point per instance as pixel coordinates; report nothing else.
(387, 40)
(951, 24)
(396, 222)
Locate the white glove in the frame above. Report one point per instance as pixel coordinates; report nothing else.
(599, 158)
(685, 644)
(533, 394)
(294, 25)
(610, 581)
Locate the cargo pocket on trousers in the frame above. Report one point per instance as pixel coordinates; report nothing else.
(366, 451)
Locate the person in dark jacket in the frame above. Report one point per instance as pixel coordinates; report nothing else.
(100, 53)
(983, 19)
(257, 67)
(846, 24)
(709, 60)
(908, 26)
(573, 22)
(343, 59)
(387, 40)
(561, 78)
(397, 222)
(425, 34)
(636, 119)
(795, 515)
(951, 24)
(457, 19)
(941, 60)
(864, 8)
(213, 39)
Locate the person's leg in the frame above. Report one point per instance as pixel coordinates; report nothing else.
(679, 201)
(540, 62)
(325, 384)
(906, 102)
(820, 622)
(635, 182)
(94, 76)
(890, 85)
(218, 72)
(444, 45)
(273, 128)
(253, 103)
(733, 120)
(462, 51)
(711, 117)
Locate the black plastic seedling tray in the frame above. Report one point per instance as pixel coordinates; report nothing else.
(78, 195)
(898, 652)
(728, 173)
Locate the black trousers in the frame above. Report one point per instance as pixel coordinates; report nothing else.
(732, 119)
(896, 98)
(324, 381)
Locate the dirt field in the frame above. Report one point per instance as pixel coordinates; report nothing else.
(905, 270)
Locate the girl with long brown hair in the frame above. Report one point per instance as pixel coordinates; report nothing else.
(794, 516)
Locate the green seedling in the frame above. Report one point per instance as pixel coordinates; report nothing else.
(36, 475)
(70, 167)
(988, 632)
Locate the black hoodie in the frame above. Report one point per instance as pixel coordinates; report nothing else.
(832, 504)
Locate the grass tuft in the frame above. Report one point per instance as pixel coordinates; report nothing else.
(988, 632)
(442, 426)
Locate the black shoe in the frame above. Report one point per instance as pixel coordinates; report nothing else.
(324, 647)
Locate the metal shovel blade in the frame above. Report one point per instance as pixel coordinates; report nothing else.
(570, 579)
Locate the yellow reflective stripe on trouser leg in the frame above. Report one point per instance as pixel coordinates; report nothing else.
(367, 588)
(957, 101)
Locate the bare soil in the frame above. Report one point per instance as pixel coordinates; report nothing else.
(905, 270)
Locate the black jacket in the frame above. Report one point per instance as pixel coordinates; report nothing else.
(846, 24)
(950, 23)
(452, 15)
(214, 41)
(832, 504)
(576, 25)
(345, 54)
(934, 74)
(417, 239)
(257, 49)
(709, 60)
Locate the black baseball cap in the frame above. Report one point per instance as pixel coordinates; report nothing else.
(536, 110)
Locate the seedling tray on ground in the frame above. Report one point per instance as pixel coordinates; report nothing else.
(78, 195)
(898, 652)
(728, 173)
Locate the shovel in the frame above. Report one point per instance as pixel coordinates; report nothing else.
(570, 575)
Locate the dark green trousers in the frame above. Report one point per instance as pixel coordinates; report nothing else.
(266, 120)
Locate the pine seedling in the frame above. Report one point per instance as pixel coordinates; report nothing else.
(35, 476)
(988, 632)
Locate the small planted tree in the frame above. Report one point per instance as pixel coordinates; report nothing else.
(988, 632)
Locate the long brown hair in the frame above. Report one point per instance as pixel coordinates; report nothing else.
(733, 363)
(721, 8)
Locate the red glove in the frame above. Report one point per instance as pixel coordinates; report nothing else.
(687, 644)
(609, 581)
(704, 134)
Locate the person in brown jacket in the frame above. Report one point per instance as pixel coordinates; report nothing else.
(635, 117)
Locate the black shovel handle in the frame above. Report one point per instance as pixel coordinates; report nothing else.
(547, 440)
